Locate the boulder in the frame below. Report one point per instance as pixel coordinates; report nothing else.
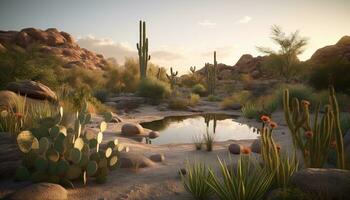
(41, 191)
(157, 157)
(153, 134)
(235, 148)
(134, 160)
(33, 90)
(130, 129)
(332, 183)
(7, 99)
(256, 146)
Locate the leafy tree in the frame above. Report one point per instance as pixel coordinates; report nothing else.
(290, 46)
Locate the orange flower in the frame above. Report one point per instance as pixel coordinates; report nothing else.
(308, 134)
(246, 150)
(305, 103)
(278, 147)
(333, 144)
(273, 124)
(265, 118)
(18, 115)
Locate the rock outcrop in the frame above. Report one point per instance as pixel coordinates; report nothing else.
(41, 191)
(340, 50)
(53, 42)
(32, 89)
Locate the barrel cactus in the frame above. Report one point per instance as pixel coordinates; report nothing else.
(54, 153)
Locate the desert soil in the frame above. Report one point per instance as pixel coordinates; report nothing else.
(162, 180)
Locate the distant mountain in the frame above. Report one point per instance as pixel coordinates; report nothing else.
(53, 42)
(340, 50)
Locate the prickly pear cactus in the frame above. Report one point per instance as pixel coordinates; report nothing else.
(54, 153)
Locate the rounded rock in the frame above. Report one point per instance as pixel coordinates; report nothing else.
(41, 191)
(235, 148)
(157, 157)
(131, 129)
(153, 134)
(256, 146)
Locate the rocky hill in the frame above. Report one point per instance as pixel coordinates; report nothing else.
(53, 42)
(340, 50)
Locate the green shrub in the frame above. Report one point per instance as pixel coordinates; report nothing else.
(194, 99)
(195, 181)
(249, 181)
(241, 98)
(199, 89)
(198, 142)
(251, 111)
(209, 138)
(335, 72)
(178, 103)
(153, 89)
(213, 98)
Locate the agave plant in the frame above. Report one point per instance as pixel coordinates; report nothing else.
(195, 182)
(54, 153)
(249, 181)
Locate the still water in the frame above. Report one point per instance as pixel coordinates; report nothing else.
(184, 129)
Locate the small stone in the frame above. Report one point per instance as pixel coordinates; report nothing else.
(235, 148)
(182, 171)
(256, 146)
(157, 157)
(153, 134)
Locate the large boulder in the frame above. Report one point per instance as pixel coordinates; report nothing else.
(33, 90)
(332, 183)
(41, 191)
(7, 99)
(133, 160)
(131, 129)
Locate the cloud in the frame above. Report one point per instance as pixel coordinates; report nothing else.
(107, 47)
(244, 20)
(166, 55)
(207, 23)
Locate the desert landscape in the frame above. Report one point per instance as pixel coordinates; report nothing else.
(208, 109)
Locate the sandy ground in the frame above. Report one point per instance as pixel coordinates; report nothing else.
(161, 181)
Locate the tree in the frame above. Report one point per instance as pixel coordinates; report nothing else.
(290, 46)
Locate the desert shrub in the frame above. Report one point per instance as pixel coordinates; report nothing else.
(190, 80)
(199, 89)
(178, 103)
(195, 181)
(198, 141)
(153, 89)
(101, 95)
(208, 139)
(240, 97)
(213, 98)
(194, 99)
(334, 73)
(251, 111)
(269, 103)
(247, 181)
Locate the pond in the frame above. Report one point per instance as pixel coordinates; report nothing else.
(183, 129)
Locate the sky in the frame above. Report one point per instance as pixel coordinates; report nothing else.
(182, 33)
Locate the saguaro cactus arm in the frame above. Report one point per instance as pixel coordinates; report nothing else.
(142, 48)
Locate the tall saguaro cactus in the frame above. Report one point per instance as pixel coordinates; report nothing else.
(172, 77)
(193, 69)
(211, 76)
(142, 48)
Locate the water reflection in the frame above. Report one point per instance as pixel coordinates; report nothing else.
(183, 129)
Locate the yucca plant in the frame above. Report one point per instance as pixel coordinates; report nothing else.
(195, 182)
(282, 166)
(249, 181)
(250, 111)
(315, 139)
(198, 142)
(209, 139)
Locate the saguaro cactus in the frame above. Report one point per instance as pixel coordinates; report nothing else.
(193, 69)
(172, 77)
(142, 48)
(211, 76)
(316, 139)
